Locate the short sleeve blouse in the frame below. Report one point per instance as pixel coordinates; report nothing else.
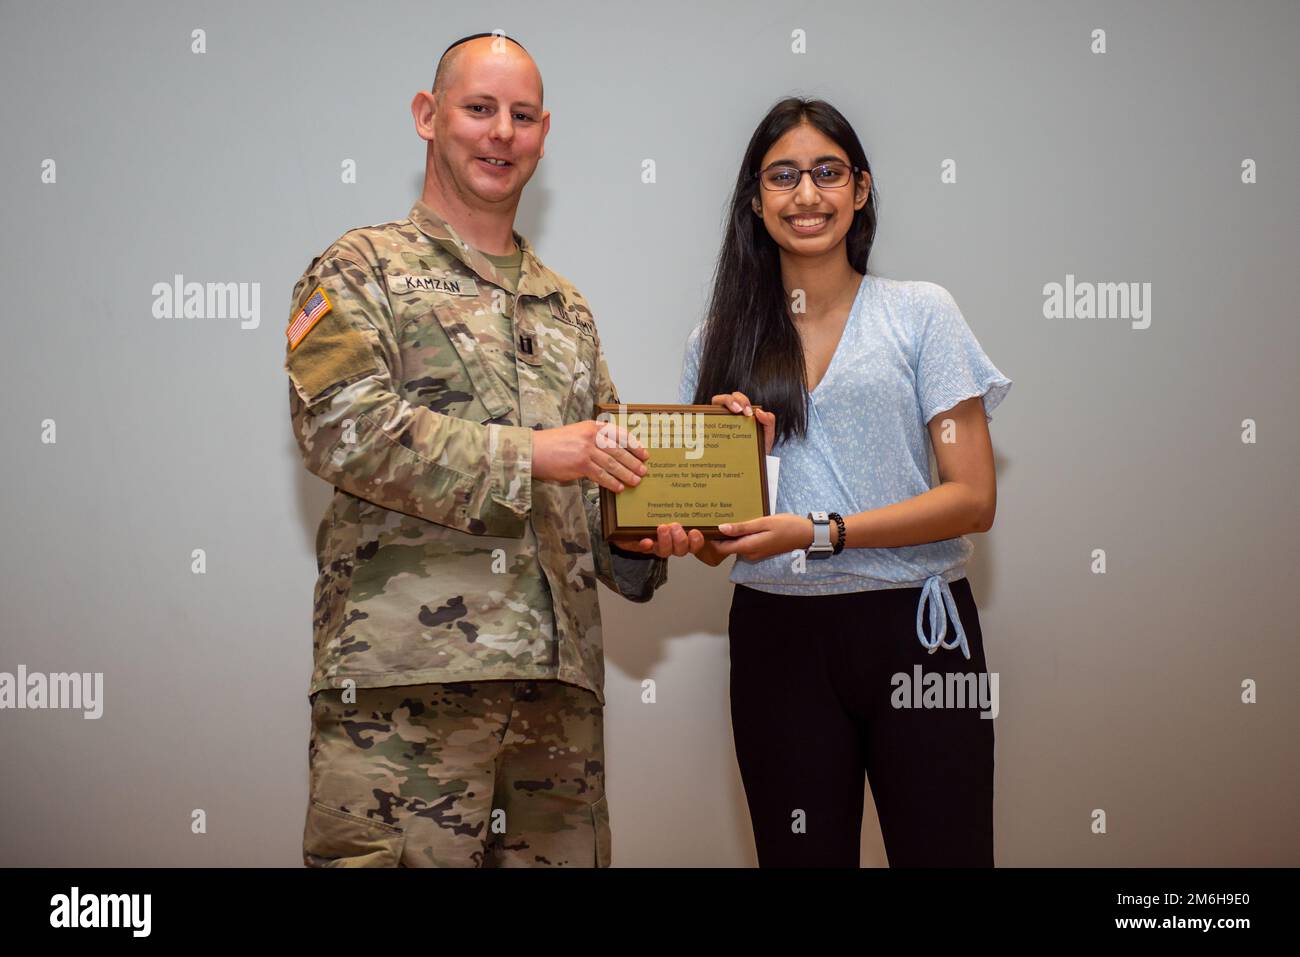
(906, 354)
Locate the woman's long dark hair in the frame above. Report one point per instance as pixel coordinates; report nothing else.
(749, 341)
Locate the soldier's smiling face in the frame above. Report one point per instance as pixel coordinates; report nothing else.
(489, 127)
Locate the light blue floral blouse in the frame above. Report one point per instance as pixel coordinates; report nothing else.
(906, 354)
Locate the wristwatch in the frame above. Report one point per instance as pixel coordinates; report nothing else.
(821, 544)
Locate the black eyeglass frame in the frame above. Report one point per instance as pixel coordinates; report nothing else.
(853, 172)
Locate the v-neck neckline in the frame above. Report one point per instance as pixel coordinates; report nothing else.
(839, 343)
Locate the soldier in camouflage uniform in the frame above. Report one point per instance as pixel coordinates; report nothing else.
(457, 695)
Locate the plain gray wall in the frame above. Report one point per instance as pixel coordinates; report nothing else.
(1119, 691)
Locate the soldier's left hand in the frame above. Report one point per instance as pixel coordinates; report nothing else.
(671, 540)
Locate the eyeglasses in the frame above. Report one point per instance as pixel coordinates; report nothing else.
(825, 176)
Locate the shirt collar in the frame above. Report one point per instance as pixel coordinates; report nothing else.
(534, 278)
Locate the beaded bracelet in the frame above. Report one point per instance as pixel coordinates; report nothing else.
(839, 523)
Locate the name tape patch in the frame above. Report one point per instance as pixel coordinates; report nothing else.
(451, 285)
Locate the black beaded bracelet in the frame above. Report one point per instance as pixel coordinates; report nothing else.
(839, 523)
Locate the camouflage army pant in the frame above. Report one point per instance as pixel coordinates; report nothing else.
(472, 774)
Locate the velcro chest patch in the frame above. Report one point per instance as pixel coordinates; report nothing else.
(400, 283)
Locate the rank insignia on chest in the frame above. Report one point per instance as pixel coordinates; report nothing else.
(317, 305)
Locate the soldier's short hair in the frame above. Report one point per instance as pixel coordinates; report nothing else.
(439, 74)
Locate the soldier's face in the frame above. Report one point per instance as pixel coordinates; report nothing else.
(490, 128)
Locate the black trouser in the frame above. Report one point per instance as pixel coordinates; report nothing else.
(813, 698)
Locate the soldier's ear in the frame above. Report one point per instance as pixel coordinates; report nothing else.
(424, 107)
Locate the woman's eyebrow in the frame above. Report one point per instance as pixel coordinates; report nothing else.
(817, 162)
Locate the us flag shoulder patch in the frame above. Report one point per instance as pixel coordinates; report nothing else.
(317, 305)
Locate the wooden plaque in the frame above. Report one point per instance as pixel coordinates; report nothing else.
(707, 467)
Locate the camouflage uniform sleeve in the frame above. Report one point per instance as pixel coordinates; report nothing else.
(358, 434)
(633, 575)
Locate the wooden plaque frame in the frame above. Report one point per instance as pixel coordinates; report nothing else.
(616, 533)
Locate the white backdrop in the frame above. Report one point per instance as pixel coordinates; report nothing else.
(127, 159)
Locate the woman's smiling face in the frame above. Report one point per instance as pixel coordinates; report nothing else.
(809, 220)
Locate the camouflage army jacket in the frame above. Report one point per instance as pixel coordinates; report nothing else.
(414, 394)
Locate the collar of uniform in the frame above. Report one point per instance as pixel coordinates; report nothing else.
(534, 278)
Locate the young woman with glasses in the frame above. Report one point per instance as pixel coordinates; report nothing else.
(831, 659)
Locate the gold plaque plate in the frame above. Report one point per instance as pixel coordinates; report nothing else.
(707, 467)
